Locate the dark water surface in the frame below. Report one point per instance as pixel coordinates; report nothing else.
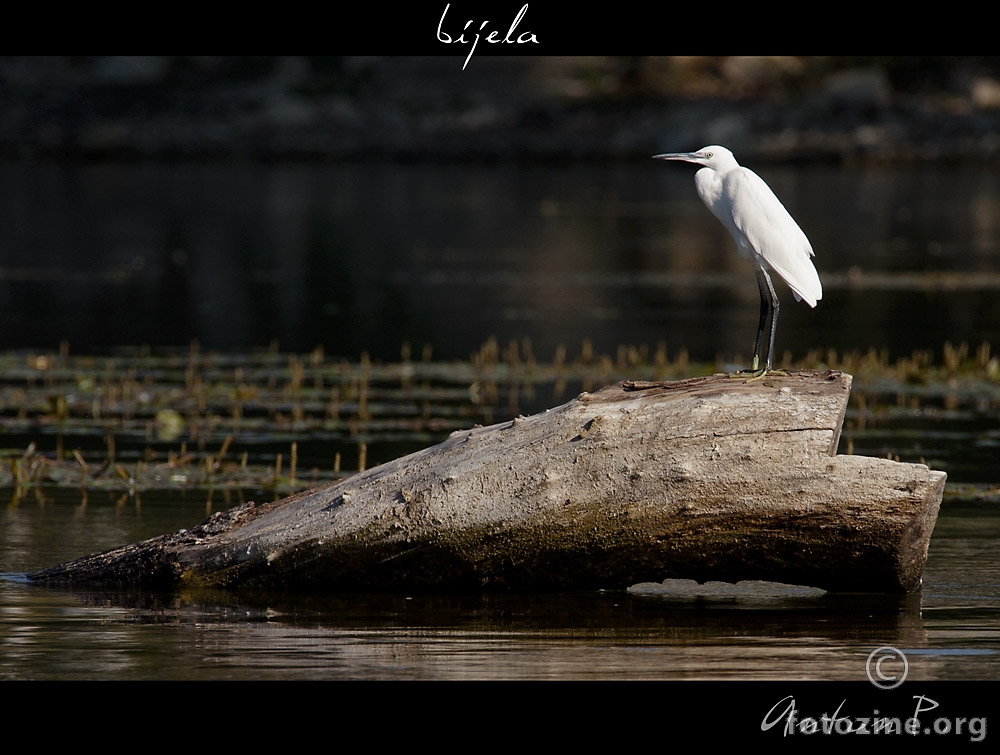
(362, 257)
(368, 257)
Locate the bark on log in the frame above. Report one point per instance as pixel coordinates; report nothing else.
(710, 478)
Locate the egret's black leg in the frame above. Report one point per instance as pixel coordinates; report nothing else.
(765, 306)
(769, 306)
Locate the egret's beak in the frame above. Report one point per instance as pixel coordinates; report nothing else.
(688, 156)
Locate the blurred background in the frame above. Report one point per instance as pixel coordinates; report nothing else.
(364, 203)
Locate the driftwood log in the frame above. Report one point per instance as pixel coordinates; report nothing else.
(710, 478)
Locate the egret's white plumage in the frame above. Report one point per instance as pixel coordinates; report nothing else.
(765, 233)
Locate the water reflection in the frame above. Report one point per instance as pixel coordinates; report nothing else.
(566, 636)
(367, 256)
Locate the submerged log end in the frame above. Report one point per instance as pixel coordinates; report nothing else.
(155, 563)
(148, 564)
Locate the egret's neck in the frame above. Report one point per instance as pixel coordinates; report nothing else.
(708, 182)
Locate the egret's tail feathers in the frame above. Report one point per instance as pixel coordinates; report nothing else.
(805, 285)
(810, 300)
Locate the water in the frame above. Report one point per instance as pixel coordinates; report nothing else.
(368, 257)
(363, 257)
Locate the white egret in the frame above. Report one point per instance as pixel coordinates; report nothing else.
(765, 234)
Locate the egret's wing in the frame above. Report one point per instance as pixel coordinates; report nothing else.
(771, 232)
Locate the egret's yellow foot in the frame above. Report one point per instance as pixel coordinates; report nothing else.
(761, 374)
(752, 375)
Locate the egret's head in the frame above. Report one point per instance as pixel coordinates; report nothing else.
(714, 157)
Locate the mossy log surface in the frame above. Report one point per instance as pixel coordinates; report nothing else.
(710, 478)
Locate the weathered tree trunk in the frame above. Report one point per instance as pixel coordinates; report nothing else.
(709, 478)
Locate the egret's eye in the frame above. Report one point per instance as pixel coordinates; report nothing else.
(708, 154)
